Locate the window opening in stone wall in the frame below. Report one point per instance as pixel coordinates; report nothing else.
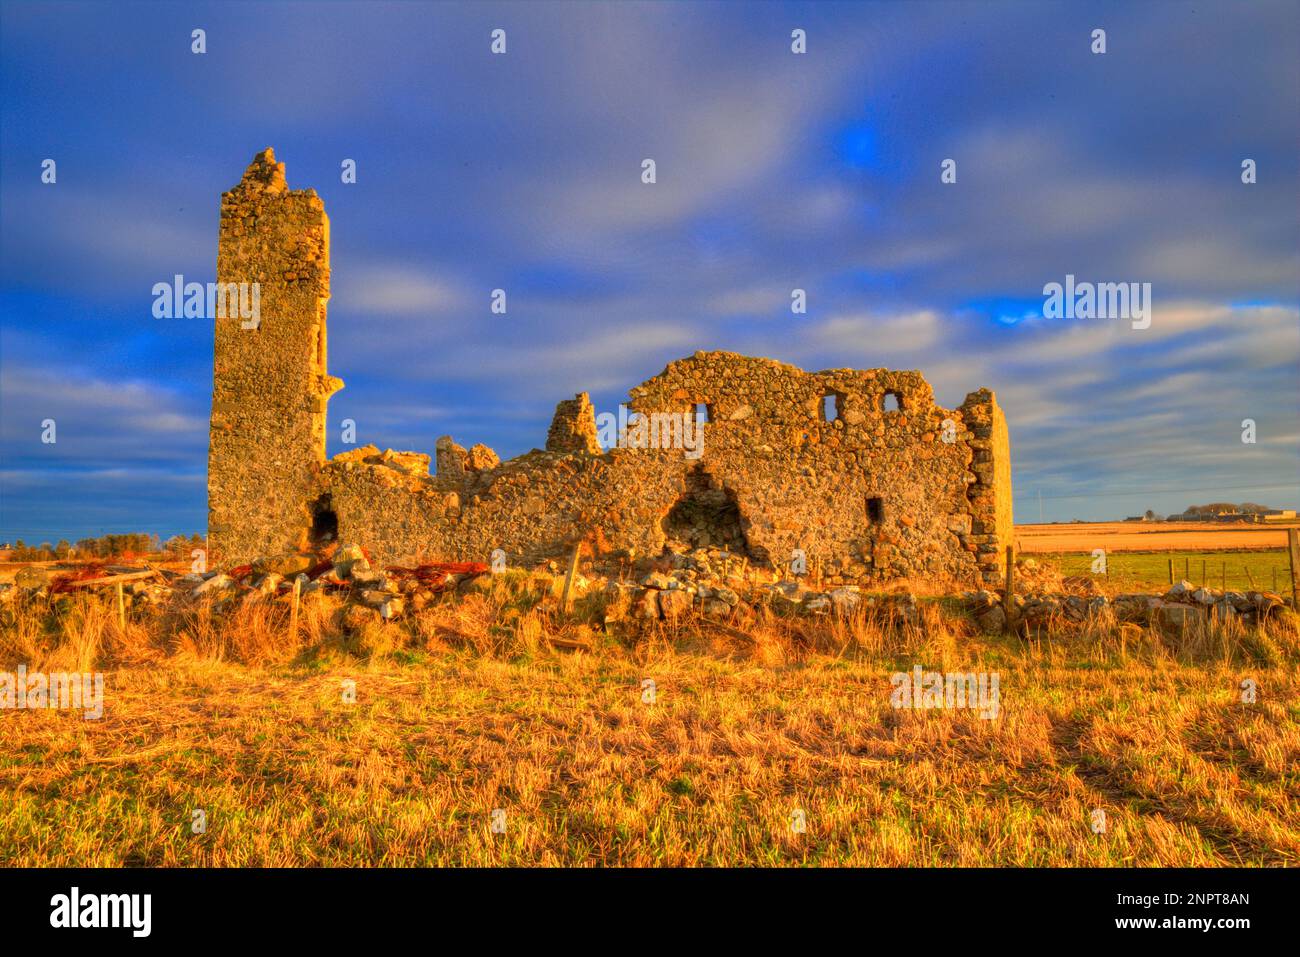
(830, 407)
(875, 511)
(892, 402)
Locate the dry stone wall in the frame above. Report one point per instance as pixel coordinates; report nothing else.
(858, 470)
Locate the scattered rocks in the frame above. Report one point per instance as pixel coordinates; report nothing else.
(346, 557)
(31, 578)
(1179, 616)
(646, 605)
(364, 576)
(212, 586)
(713, 608)
(845, 601)
(818, 605)
(657, 580)
(269, 584)
(1182, 604)
(674, 603)
(993, 620)
(726, 595)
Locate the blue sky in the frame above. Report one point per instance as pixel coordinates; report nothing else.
(775, 171)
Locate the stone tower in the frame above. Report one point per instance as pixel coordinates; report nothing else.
(270, 383)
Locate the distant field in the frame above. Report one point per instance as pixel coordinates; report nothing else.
(1138, 554)
(1149, 571)
(1143, 537)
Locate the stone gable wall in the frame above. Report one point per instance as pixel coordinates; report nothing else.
(270, 385)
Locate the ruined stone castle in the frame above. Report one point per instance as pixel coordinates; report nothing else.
(858, 470)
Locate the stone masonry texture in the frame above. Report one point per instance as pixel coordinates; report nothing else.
(859, 469)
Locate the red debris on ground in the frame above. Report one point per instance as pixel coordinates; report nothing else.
(240, 572)
(439, 575)
(66, 581)
(320, 568)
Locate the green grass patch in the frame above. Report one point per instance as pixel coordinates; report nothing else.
(1150, 571)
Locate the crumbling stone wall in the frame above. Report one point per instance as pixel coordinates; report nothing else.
(858, 469)
(574, 427)
(992, 527)
(270, 384)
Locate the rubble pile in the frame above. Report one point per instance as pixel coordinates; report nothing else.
(1182, 605)
(347, 570)
(683, 583)
(714, 583)
(141, 585)
(344, 570)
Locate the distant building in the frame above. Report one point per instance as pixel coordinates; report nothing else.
(1210, 517)
(1255, 517)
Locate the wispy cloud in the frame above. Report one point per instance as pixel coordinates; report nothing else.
(775, 171)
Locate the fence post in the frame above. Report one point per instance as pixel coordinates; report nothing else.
(1293, 554)
(121, 609)
(293, 610)
(1171, 571)
(573, 573)
(1008, 597)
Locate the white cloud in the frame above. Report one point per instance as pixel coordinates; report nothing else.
(871, 334)
(398, 290)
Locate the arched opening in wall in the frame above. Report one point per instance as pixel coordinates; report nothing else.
(892, 402)
(706, 516)
(324, 522)
(702, 413)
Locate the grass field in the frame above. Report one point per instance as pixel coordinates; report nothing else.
(468, 712)
(1149, 536)
(1149, 571)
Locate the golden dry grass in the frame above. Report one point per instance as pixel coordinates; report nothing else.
(469, 710)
